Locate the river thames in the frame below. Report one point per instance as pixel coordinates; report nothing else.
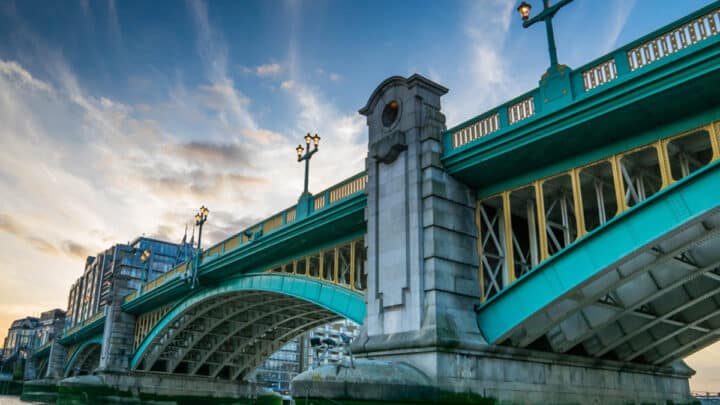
(13, 400)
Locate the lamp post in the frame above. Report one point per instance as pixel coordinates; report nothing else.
(546, 15)
(200, 219)
(145, 258)
(308, 154)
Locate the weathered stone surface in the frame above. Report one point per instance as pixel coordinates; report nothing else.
(503, 375)
(119, 331)
(131, 388)
(418, 227)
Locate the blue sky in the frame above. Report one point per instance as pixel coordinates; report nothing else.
(120, 118)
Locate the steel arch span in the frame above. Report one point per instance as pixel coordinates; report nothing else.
(643, 288)
(84, 357)
(225, 331)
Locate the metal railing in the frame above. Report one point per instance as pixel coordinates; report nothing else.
(99, 315)
(623, 62)
(322, 200)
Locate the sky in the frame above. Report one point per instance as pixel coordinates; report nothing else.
(120, 118)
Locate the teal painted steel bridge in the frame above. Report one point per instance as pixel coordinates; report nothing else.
(597, 220)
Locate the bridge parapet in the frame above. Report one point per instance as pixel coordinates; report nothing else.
(635, 58)
(85, 328)
(323, 200)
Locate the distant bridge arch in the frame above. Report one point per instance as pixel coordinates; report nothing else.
(227, 330)
(85, 358)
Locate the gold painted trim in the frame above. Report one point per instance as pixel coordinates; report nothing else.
(541, 220)
(619, 185)
(714, 129)
(337, 262)
(509, 247)
(352, 265)
(321, 269)
(578, 204)
(664, 163)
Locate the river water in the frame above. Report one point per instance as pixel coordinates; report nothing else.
(13, 400)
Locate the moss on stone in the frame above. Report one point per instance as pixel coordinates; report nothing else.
(37, 391)
(78, 394)
(445, 398)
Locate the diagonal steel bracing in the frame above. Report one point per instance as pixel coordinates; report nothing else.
(273, 346)
(683, 328)
(677, 283)
(622, 280)
(654, 322)
(695, 344)
(236, 330)
(220, 321)
(277, 324)
(188, 317)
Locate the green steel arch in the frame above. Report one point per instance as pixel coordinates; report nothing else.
(332, 297)
(95, 340)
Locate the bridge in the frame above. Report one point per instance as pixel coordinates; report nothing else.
(570, 235)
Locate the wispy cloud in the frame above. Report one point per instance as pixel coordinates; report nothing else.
(213, 51)
(16, 229)
(620, 12)
(113, 23)
(485, 75)
(13, 71)
(268, 70)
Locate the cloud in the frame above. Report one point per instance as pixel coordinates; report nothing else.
(213, 52)
(218, 153)
(287, 84)
(332, 76)
(225, 224)
(75, 249)
(486, 76)
(20, 231)
(13, 71)
(268, 70)
(262, 136)
(343, 134)
(113, 22)
(621, 12)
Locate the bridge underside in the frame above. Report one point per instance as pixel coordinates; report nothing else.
(85, 361)
(229, 335)
(657, 306)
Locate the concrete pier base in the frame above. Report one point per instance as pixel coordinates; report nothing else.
(135, 388)
(44, 391)
(497, 375)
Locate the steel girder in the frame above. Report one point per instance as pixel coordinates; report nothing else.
(182, 322)
(661, 304)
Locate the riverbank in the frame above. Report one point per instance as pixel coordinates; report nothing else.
(11, 387)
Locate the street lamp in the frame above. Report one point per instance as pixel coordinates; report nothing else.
(200, 219)
(546, 15)
(308, 154)
(145, 258)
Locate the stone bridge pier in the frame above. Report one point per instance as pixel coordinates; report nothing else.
(420, 342)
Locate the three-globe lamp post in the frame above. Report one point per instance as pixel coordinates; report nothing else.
(145, 258)
(307, 155)
(200, 219)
